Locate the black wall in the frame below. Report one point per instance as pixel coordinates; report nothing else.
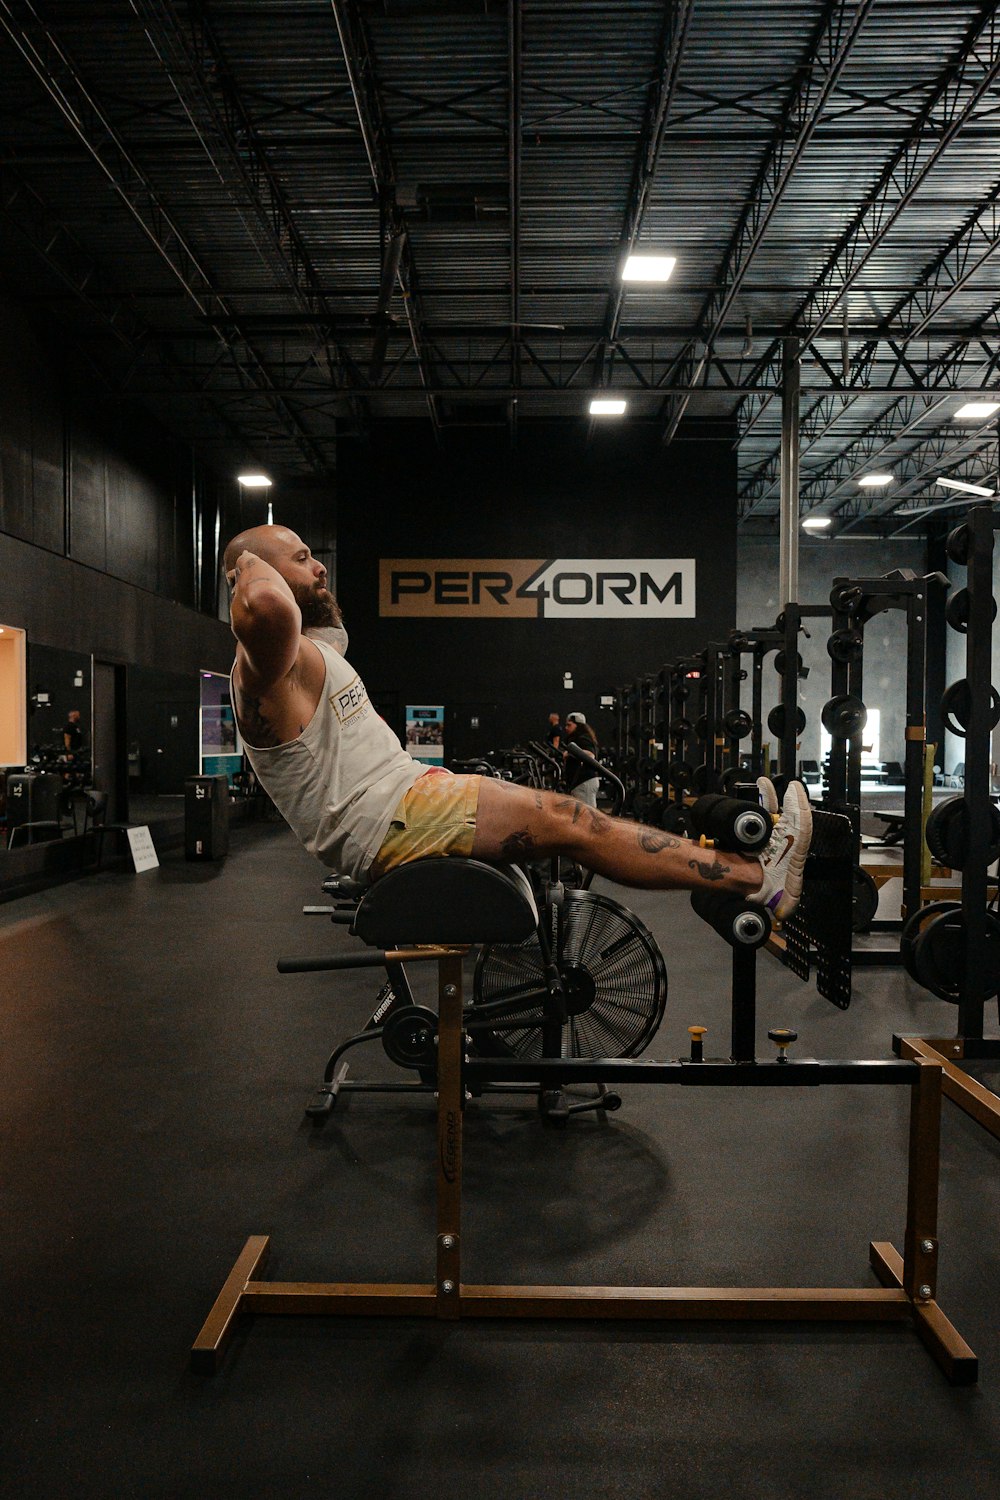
(623, 495)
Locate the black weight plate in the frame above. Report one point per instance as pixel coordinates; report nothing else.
(844, 715)
(846, 598)
(845, 645)
(956, 707)
(680, 773)
(701, 727)
(864, 897)
(701, 779)
(913, 927)
(679, 728)
(776, 721)
(957, 545)
(674, 818)
(939, 955)
(779, 662)
(738, 724)
(947, 833)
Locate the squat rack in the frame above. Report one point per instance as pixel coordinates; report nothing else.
(973, 545)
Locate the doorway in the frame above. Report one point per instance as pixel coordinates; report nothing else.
(13, 697)
(110, 766)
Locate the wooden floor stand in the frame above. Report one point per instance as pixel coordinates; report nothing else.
(975, 1099)
(908, 1282)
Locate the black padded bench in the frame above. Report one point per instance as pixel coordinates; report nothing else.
(894, 826)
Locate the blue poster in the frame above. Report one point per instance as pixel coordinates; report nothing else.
(425, 733)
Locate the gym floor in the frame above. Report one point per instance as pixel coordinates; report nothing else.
(153, 1072)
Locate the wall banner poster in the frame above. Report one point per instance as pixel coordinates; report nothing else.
(425, 733)
(608, 588)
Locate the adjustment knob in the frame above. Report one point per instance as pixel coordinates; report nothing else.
(783, 1037)
(697, 1035)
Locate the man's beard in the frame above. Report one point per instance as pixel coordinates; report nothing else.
(319, 607)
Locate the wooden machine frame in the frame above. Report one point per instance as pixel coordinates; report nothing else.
(908, 1281)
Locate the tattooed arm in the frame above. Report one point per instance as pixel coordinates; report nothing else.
(266, 621)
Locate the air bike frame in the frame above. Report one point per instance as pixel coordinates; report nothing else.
(908, 1281)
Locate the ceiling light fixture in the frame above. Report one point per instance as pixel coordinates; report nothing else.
(649, 267)
(972, 411)
(875, 481)
(967, 489)
(600, 407)
(816, 523)
(254, 481)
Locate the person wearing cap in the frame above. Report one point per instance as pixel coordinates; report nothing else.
(580, 780)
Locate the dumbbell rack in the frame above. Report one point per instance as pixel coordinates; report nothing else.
(972, 544)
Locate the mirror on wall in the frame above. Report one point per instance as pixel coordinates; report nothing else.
(58, 704)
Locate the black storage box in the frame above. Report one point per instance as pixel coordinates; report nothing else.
(34, 797)
(206, 817)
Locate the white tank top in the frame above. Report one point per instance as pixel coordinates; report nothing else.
(339, 782)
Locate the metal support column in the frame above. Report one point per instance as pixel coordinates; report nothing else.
(788, 540)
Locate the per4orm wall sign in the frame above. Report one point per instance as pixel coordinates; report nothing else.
(605, 588)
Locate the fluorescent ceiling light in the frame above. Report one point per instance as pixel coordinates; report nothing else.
(816, 523)
(968, 489)
(254, 481)
(973, 410)
(649, 267)
(602, 408)
(875, 481)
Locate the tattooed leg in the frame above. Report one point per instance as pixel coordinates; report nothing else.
(510, 825)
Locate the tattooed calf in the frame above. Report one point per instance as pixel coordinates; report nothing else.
(653, 841)
(714, 871)
(518, 846)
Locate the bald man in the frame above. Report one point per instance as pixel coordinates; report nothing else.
(337, 773)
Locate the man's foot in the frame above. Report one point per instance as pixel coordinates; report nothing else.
(784, 859)
(768, 796)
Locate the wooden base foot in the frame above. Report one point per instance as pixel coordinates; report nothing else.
(952, 1353)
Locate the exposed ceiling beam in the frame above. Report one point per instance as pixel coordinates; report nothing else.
(514, 129)
(671, 51)
(830, 47)
(959, 91)
(61, 81)
(359, 61)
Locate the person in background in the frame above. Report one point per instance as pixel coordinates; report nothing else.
(72, 733)
(554, 733)
(580, 780)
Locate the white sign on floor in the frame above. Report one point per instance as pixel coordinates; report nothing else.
(141, 844)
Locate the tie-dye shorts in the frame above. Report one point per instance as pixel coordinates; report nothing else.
(436, 816)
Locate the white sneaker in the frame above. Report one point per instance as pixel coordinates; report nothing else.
(784, 859)
(768, 796)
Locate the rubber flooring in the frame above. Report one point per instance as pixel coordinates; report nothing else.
(153, 1073)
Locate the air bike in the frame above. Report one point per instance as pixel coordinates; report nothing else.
(440, 911)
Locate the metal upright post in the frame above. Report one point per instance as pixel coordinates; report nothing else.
(979, 651)
(916, 734)
(788, 540)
